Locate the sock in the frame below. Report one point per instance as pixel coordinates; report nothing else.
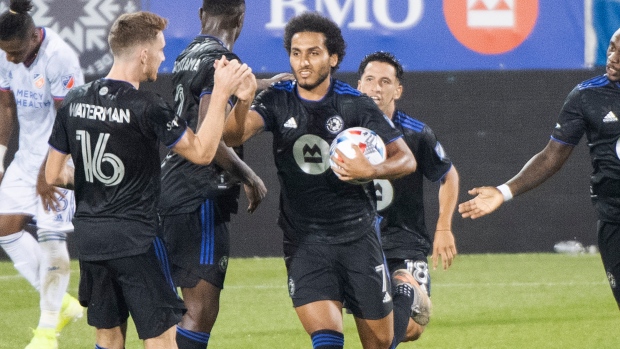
(55, 273)
(402, 300)
(327, 339)
(24, 251)
(98, 347)
(187, 339)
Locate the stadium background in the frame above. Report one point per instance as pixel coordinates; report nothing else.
(489, 76)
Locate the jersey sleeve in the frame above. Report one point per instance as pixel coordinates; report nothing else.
(265, 105)
(373, 119)
(431, 157)
(168, 126)
(63, 73)
(59, 139)
(571, 123)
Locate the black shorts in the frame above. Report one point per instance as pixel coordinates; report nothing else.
(609, 246)
(417, 266)
(198, 246)
(353, 273)
(136, 285)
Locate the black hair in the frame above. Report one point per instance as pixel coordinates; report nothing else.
(223, 7)
(16, 22)
(314, 22)
(385, 57)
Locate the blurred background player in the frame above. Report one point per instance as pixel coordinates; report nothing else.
(404, 237)
(123, 264)
(37, 70)
(197, 201)
(591, 108)
(331, 247)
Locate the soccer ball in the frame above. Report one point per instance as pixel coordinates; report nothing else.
(368, 141)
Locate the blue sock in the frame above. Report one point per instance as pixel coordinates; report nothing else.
(187, 339)
(98, 347)
(327, 339)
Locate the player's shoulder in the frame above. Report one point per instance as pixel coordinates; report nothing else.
(407, 122)
(342, 89)
(593, 83)
(56, 47)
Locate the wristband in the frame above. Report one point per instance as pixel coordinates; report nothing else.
(2, 152)
(506, 193)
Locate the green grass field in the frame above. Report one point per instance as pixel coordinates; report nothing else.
(484, 301)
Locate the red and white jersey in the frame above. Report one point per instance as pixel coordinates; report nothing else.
(55, 70)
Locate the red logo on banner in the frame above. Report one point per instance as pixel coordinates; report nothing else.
(491, 26)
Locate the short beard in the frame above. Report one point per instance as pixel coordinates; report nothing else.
(312, 86)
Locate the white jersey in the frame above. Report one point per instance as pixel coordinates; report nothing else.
(55, 70)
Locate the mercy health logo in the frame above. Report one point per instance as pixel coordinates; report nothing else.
(83, 24)
(491, 26)
(352, 14)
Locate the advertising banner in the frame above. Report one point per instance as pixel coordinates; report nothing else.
(426, 35)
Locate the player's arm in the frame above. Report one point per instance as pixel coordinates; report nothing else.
(55, 167)
(254, 187)
(536, 171)
(200, 148)
(262, 84)
(8, 119)
(244, 122)
(443, 242)
(399, 162)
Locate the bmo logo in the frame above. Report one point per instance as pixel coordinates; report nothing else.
(352, 14)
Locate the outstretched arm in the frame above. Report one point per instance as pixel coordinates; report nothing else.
(443, 242)
(536, 171)
(262, 84)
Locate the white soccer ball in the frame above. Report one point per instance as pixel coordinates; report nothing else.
(368, 141)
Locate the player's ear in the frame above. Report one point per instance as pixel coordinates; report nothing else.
(333, 60)
(359, 85)
(144, 53)
(399, 91)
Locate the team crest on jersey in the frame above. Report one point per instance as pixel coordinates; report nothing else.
(384, 191)
(334, 124)
(38, 80)
(68, 81)
(103, 91)
(311, 153)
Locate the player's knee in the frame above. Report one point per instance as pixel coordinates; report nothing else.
(414, 331)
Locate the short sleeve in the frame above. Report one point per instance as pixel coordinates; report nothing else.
(5, 80)
(431, 156)
(571, 123)
(168, 127)
(63, 73)
(265, 105)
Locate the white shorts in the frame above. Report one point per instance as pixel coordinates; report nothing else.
(18, 196)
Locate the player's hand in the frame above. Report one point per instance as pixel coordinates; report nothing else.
(264, 83)
(229, 75)
(357, 167)
(444, 247)
(255, 191)
(247, 89)
(487, 200)
(49, 194)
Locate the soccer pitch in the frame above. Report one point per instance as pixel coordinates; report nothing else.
(484, 301)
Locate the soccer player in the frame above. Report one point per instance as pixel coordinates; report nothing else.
(112, 131)
(37, 69)
(591, 108)
(197, 201)
(331, 247)
(404, 236)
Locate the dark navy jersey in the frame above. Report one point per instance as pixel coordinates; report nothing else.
(593, 108)
(184, 184)
(401, 201)
(316, 206)
(112, 132)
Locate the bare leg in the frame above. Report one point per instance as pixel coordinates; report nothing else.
(376, 334)
(112, 338)
(166, 340)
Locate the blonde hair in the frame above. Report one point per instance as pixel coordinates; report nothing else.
(135, 28)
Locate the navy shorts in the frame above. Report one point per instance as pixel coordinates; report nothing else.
(609, 246)
(137, 285)
(198, 246)
(353, 273)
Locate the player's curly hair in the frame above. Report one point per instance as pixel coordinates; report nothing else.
(314, 22)
(16, 22)
(132, 28)
(385, 57)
